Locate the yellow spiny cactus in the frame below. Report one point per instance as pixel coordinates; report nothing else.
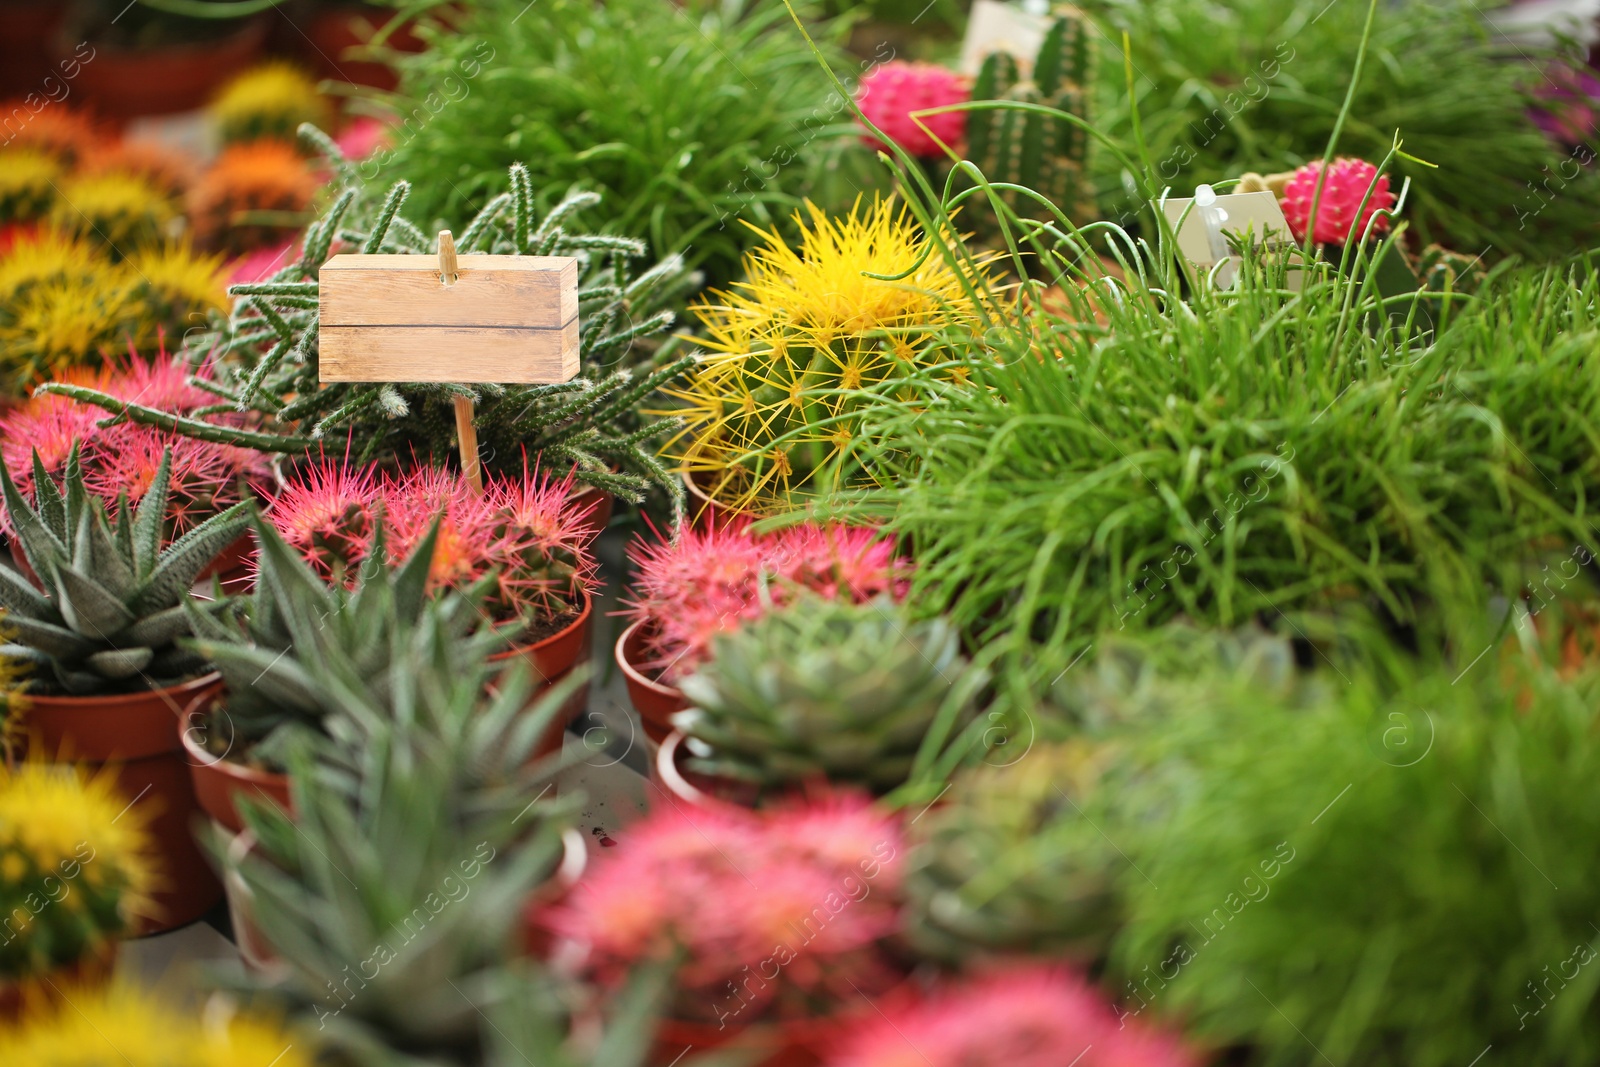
(66, 322)
(118, 210)
(41, 257)
(27, 183)
(177, 288)
(269, 101)
(769, 415)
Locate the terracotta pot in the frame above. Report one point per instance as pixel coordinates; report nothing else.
(656, 703)
(137, 734)
(25, 25)
(700, 790)
(218, 780)
(537, 940)
(127, 83)
(703, 512)
(596, 506)
(92, 971)
(551, 660)
(331, 33)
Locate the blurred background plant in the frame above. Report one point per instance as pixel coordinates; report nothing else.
(686, 119)
(1254, 86)
(74, 873)
(268, 103)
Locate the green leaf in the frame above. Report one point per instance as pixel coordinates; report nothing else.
(150, 519)
(46, 637)
(18, 596)
(89, 607)
(48, 499)
(120, 663)
(186, 557)
(39, 544)
(164, 627)
(98, 554)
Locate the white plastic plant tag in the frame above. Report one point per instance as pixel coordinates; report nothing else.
(1207, 219)
(1002, 27)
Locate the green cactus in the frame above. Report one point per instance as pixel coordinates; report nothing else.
(825, 690)
(114, 601)
(1442, 270)
(294, 623)
(1012, 864)
(1041, 152)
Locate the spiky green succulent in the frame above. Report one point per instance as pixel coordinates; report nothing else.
(295, 625)
(825, 690)
(421, 827)
(1010, 863)
(112, 600)
(266, 359)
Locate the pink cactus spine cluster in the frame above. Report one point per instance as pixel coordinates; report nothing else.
(1340, 216)
(890, 93)
(1027, 1017)
(206, 477)
(711, 581)
(776, 913)
(526, 534)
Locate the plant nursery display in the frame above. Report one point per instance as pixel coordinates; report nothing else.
(685, 120)
(265, 360)
(1093, 521)
(73, 875)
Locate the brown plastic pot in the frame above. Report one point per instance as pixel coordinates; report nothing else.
(551, 660)
(90, 972)
(705, 513)
(700, 790)
(136, 734)
(127, 83)
(656, 703)
(218, 781)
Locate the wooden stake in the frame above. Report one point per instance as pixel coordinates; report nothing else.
(466, 432)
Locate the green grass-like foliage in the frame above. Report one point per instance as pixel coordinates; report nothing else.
(1254, 85)
(1400, 870)
(685, 118)
(1247, 453)
(113, 600)
(266, 359)
(822, 690)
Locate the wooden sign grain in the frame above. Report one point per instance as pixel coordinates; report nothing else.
(396, 318)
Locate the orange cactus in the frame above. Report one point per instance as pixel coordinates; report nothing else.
(262, 176)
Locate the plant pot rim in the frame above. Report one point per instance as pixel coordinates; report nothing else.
(252, 28)
(187, 689)
(634, 633)
(552, 639)
(672, 779)
(221, 764)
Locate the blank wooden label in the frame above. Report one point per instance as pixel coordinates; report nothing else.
(390, 318)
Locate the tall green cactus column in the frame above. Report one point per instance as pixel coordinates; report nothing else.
(1042, 152)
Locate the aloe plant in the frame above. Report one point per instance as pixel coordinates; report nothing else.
(113, 600)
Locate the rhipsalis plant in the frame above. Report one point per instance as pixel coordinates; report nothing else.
(1045, 153)
(825, 690)
(115, 601)
(266, 358)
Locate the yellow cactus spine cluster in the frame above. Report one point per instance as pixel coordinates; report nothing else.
(269, 101)
(28, 180)
(119, 210)
(768, 413)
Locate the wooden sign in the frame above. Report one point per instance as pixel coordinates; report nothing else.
(407, 318)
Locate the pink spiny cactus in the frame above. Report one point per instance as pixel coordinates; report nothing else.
(710, 581)
(890, 93)
(525, 535)
(1340, 216)
(765, 929)
(1030, 1017)
(120, 458)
